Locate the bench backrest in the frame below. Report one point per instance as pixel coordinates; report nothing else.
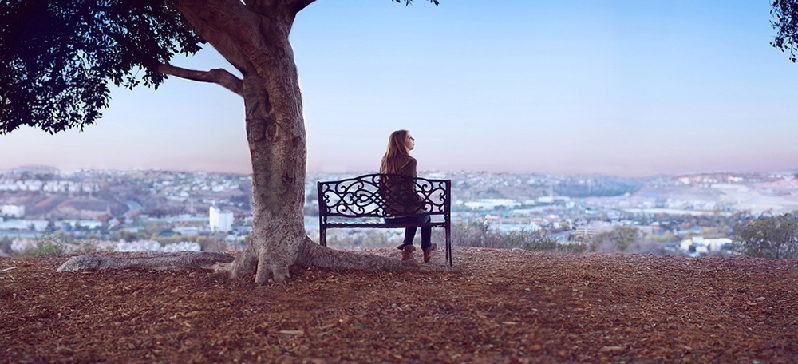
(381, 195)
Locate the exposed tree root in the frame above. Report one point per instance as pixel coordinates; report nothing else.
(158, 261)
(312, 254)
(309, 254)
(271, 253)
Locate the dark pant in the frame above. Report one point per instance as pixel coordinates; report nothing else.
(410, 231)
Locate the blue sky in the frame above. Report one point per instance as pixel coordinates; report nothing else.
(608, 87)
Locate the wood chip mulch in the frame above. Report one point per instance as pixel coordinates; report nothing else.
(506, 306)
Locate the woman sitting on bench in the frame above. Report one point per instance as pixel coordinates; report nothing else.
(400, 196)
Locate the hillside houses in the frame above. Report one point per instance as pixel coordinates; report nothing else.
(565, 207)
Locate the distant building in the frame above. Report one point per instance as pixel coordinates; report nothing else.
(701, 245)
(186, 230)
(12, 210)
(490, 204)
(154, 246)
(221, 220)
(553, 199)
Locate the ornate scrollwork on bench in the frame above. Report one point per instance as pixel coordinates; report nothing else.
(366, 196)
(364, 201)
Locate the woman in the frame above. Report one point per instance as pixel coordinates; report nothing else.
(399, 192)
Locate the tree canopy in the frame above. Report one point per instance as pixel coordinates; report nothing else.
(785, 14)
(769, 237)
(57, 57)
(620, 238)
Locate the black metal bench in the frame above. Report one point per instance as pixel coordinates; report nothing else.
(361, 202)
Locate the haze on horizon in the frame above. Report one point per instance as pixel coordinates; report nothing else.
(620, 88)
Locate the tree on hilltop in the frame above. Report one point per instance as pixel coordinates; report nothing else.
(57, 58)
(619, 239)
(768, 237)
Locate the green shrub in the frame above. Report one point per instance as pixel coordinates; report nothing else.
(87, 246)
(48, 244)
(619, 239)
(481, 235)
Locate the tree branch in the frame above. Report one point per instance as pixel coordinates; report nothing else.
(218, 76)
(225, 24)
(298, 5)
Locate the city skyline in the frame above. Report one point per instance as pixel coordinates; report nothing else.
(618, 88)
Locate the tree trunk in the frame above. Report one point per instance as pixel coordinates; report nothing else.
(276, 137)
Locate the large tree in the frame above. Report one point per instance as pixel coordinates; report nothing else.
(57, 58)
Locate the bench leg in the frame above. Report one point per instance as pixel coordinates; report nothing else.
(449, 245)
(322, 236)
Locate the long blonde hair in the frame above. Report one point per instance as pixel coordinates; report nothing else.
(396, 155)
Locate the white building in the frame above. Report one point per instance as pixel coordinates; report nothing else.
(12, 210)
(553, 199)
(490, 204)
(221, 220)
(154, 246)
(186, 230)
(702, 245)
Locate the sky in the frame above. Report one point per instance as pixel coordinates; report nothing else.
(624, 88)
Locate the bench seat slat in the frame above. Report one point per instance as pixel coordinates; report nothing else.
(376, 225)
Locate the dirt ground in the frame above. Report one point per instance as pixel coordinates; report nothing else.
(506, 306)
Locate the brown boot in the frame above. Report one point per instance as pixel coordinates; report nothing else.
(407, 252)
(428, 252)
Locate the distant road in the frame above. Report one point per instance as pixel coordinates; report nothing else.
(131, 206)
(19, 234)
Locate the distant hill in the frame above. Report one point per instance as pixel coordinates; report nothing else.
(37, 206)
